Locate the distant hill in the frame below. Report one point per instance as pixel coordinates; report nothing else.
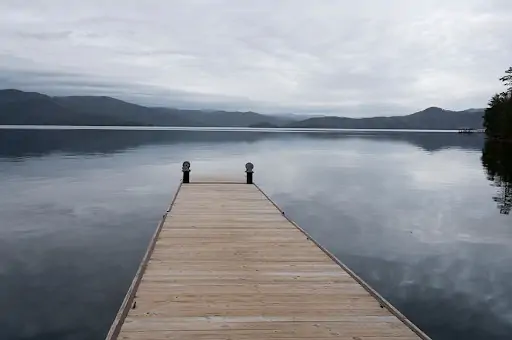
(227, 118)
(433, 118)
(119, 110)
(31, 108)
(264, 125)
(9, 96)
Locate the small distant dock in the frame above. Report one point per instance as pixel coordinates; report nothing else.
(226, 263)
(467, 130)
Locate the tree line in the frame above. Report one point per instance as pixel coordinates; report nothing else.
(497, 151)
(498, 116)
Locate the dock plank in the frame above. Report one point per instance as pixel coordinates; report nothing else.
(227, 264)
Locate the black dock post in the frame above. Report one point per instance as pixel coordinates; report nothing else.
(248, 170)
(186, 172)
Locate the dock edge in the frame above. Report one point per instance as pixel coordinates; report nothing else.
(118, 322)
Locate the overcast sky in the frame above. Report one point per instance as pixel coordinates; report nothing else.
(353, 58)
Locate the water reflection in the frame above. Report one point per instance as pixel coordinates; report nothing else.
(497, 160)
(21, 143)
(409, 212)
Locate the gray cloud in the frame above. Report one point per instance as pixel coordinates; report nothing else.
(45, 35)
(361, 58)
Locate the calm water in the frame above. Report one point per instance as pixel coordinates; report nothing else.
(417, 215)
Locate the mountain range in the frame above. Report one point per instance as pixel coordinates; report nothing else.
(32, 108)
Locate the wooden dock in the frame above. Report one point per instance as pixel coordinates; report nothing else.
(226, 263)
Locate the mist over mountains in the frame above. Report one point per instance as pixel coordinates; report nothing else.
(32, 108)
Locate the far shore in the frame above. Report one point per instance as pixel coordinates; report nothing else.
(210, 128)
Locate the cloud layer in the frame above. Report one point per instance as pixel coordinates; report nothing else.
(350, 58)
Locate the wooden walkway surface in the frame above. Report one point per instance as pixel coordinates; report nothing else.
(225, 263)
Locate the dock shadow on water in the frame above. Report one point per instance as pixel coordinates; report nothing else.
(497, 160)
(413, 214)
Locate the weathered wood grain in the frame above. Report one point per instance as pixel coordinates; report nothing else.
(226, 264)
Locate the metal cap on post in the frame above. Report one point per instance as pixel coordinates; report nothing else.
(186, 172)
(249, 171)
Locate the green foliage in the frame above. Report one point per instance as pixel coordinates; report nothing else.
(507, 79)
(498, 116)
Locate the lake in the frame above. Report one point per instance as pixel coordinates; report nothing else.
(422, 217)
